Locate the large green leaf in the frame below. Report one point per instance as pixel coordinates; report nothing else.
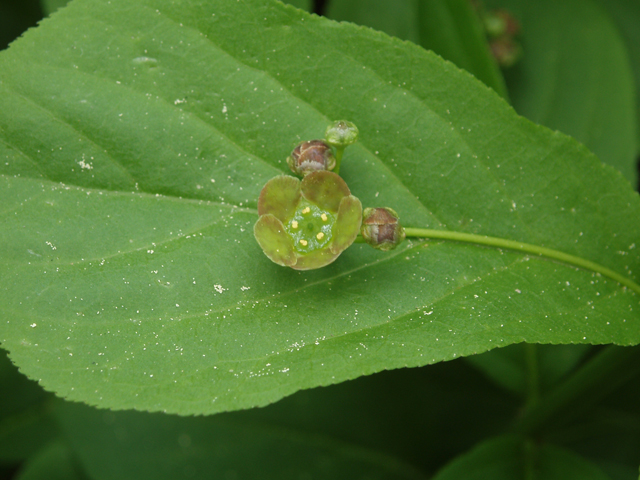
(511, 458)
(511, 367)
(626, 14)
(25, 420)
(609, 434)
(448, 27)
(575, 76)
(134, 445)
(16, 17)
(50, 6)
(54, 462)
(135, 137)
(370, 415)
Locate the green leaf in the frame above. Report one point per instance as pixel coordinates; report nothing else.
(50, 6)
(512, 458)
(134, 445)
(508, 366)
(25, 422)
(626, 14)
(343, 424)
(610, 433)
(448, 27)
(135, 137)
(16, 17)
(302, 4)
(53, 462)
(575, 77)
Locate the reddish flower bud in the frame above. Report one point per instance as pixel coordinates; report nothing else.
(506, 51)
(381, 228)
(311, 156)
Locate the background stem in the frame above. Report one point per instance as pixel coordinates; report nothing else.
(605, 372)
(533, 375)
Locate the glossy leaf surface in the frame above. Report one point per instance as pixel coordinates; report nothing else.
(130, 178)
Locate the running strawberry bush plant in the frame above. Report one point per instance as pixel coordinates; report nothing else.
(136, 137)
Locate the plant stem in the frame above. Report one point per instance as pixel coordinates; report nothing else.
(530, 459)
(339, 152)
(533, 375)
(524, 247)
(605, 372)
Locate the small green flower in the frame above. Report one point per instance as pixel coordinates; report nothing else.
(307, 224)
(381, 228)
(311, 156)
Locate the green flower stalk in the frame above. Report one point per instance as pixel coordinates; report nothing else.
(307, 224)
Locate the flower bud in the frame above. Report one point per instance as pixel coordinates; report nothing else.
(500, 22)
(381, 228)
(341, 134)
(506, 51)
(311, 156)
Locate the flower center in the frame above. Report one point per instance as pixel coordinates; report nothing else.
(310, 227)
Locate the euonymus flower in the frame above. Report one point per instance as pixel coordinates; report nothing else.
(307, 224)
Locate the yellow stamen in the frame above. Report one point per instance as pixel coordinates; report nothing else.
(320, 235)
(294, 224)
(323, 217)
(306, 210)
(303, 243)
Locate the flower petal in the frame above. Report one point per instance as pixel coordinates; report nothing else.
(316, 259)
(274, 241)
(325, 189)
(279, 197)
(347, 224)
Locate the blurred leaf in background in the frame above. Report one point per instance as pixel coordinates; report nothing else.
(575, 76)
(26, 424)
(450, 28)
(626, 15)
(15, 17)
